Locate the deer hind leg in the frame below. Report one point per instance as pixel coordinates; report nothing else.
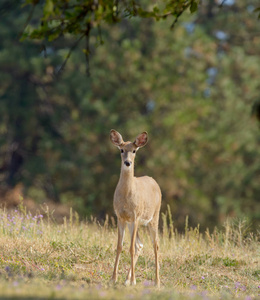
(153, 228)
(121, 233)
(138, 249)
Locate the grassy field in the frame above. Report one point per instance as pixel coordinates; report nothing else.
(43, 260)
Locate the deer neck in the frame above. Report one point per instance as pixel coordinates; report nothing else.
(126, 180)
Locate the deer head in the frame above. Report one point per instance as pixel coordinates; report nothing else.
(128, 149)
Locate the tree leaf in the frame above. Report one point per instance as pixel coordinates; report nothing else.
(256, 9)
(193, 7)
(48, 8)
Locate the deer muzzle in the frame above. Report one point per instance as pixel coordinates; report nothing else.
(127, 163)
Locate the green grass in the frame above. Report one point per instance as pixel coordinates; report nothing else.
(43, 260)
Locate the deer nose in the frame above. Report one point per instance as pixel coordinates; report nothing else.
(127, 163)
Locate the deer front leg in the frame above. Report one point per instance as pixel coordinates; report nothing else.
(138, 249)
(132, 252)
(121, 233)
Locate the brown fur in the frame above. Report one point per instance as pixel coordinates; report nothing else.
(137, 200)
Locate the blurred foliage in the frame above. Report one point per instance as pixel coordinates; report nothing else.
(59, 17)
(192, 89)
(80, 18)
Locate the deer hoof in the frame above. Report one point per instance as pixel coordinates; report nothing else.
(133, 282)
(157, 284)
(127, 282)
(112, 281)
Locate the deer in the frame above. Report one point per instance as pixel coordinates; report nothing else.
(137, 201)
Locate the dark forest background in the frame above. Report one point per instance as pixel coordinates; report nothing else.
(192, 88)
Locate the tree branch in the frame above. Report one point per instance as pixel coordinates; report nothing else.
(69, 54)
(28, 20)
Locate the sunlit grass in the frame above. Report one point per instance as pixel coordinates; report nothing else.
(39, 258)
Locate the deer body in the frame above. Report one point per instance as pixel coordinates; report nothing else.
(133, 200)
(137, 200)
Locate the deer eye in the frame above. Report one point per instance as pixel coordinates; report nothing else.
(122, 151)
(133, 151)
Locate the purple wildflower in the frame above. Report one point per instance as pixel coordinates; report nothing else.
(243, 288)
(237, 285)
(102, 293)
(146, 283)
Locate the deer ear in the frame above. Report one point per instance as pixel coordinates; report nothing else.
(141, 140)
(116, 138)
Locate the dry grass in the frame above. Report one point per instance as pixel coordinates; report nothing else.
(42, 260)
